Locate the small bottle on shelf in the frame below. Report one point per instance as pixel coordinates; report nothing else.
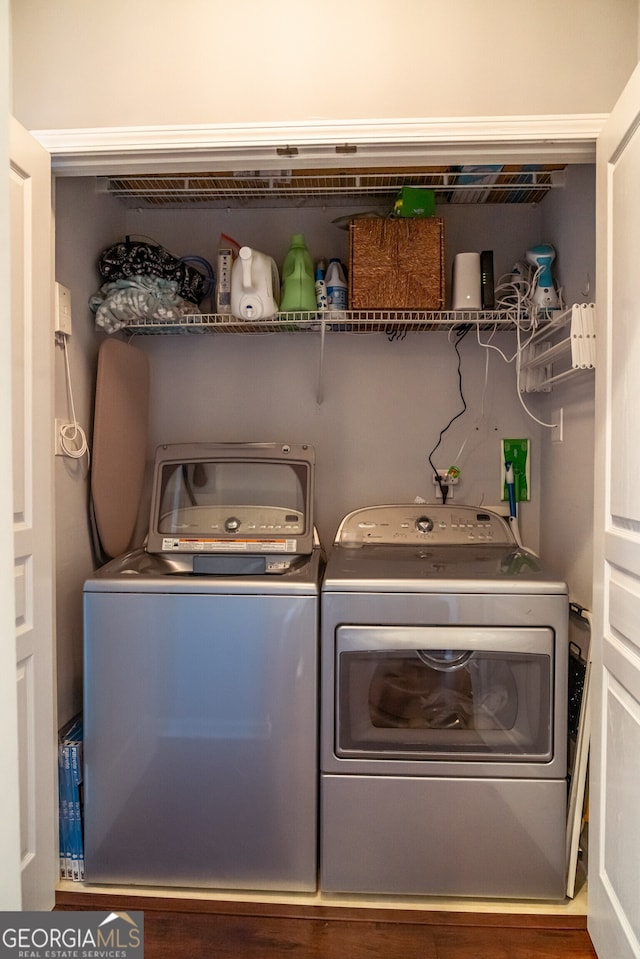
(337, 291)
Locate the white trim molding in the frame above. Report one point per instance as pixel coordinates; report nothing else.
(323, 143)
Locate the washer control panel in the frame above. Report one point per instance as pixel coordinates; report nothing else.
(416, 524)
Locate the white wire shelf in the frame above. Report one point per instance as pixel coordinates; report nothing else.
(361, 321)
(492, 183)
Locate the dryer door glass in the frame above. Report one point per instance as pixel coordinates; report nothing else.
(440, 693)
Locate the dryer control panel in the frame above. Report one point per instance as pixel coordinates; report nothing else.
(417, 523)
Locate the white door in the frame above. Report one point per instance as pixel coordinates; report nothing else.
(10, 893)
(32, 456)
(614, 839)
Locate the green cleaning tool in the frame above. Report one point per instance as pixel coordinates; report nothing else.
(516, 452)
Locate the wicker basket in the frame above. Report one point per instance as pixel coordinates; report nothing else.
(396, 264)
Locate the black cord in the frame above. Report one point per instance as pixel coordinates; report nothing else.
(444, 487)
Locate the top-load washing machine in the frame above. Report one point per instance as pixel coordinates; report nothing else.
(443, 722)
(200, 700)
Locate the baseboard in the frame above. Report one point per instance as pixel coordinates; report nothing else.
(427, 913)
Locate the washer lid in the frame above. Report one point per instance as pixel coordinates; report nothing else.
(234, 499)
(485, 569)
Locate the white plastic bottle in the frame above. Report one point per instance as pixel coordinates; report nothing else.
(337, 290)
(321, 285)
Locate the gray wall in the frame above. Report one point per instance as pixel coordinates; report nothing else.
(384, 402)
(566, 532)
(85, 223)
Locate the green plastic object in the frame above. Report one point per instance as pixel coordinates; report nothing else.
(298, 280)
(516, 452)
(415, 201)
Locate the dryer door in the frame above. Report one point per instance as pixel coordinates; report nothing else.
(478, 695)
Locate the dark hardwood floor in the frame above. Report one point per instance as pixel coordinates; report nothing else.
(200, 929)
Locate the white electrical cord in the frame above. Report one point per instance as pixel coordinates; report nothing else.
(514, 293)
(73, 440)
(549, 426)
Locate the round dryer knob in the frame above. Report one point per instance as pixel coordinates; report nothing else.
(424, 524)
(232, 524)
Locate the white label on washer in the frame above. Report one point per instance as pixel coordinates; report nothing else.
(199, 545)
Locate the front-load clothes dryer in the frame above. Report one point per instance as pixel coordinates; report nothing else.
(443, 726)
(201, 680)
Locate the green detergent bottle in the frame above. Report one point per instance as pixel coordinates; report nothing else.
(298, 281)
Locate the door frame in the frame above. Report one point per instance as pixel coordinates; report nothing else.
(349, 144)
(10, 875)
(81, 152)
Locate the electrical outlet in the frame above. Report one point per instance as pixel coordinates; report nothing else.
(62, 323)
(444, 475)
(448, 479)
(557, 432)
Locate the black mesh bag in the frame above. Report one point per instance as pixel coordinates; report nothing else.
(134, 258)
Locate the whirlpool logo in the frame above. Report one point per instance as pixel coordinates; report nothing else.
(72, 935)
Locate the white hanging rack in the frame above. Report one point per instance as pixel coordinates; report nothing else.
(574, 351)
